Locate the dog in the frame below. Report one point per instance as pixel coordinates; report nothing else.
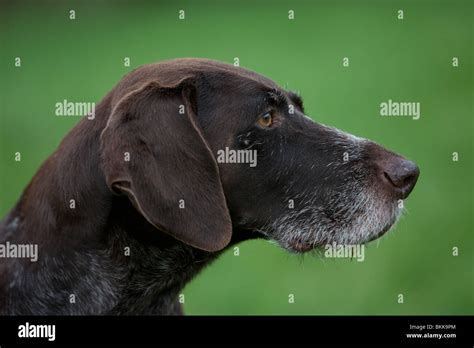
(134, 203)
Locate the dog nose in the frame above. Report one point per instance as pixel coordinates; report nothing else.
(398, 174)
(402, 174)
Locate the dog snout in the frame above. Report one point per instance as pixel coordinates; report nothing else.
(398, 174)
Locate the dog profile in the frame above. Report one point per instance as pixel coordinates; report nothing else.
(153, 205)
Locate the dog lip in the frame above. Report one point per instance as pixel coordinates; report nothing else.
(382, 232)
(302, 247)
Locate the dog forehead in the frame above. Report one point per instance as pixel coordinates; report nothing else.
(216, 74)
(208, 66)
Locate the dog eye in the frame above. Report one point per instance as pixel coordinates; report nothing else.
(266, 120)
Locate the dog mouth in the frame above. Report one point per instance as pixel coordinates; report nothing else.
(301, 246)
(301, 235)
(382, 232)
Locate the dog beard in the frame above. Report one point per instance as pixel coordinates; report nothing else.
(353, 216)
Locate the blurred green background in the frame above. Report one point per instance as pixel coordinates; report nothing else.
(389, 58)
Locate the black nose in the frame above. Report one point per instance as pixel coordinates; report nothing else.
(401, 173)
(398, 175)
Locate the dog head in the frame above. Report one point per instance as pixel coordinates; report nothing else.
(214, 148)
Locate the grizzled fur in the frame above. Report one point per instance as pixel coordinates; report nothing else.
(343, 189)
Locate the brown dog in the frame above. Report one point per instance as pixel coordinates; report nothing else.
(183, 159)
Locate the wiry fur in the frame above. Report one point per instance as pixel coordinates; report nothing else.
(353, 213)
(128, 247)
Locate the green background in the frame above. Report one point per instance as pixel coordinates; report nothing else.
(402, 60)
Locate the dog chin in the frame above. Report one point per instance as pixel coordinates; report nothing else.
(304, 246)
(301, 238)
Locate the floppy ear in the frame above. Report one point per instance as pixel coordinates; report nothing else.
(153, 151)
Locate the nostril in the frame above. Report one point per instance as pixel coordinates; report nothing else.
(407, 181)
(402, 174)
(389, 179)
(397, 174)
(399, 180)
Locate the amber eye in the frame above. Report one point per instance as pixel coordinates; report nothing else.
(266, 120)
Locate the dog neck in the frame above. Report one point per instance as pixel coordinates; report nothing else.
(96, 253)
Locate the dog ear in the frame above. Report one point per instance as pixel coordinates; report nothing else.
(154, 152)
